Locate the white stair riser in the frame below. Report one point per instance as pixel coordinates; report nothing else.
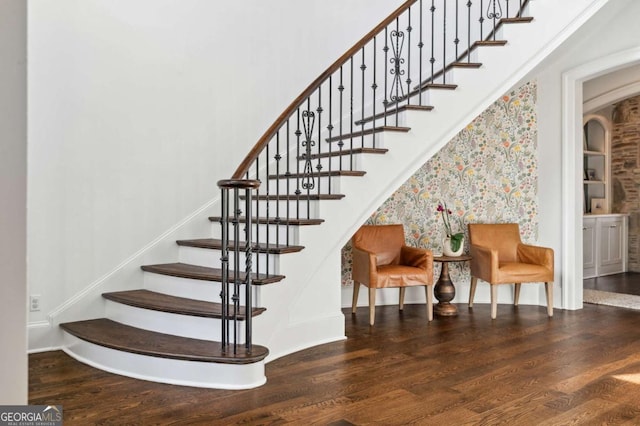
(353, 162)
(168, 323)
(211, 258)
(307, 209)
(273, 233)
(275, 186)
(375, 140)
(165, 370)
(189, 288)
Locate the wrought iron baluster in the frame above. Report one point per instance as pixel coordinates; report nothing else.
(397, 44)
(481, 20)
(341, 141)
(420, 56)
(308, 181)
(432, 60)
(408, 81)
(278, 157)
(363, 68)
(374, 86)
(287, 194)
(469, 4)
(444, 42)
(330, 128)
(298, 157)
(257, 205)
(494, 12)
(386, 72)
(351, 86)
(456, 40)
(319, 110)
(268, 202)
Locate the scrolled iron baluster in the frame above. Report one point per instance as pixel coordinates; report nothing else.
(308, 123)
(397, 91)
(494, 13)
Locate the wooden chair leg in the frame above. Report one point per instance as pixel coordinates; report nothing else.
(516, 294)
(472, 290)
(548, 289)
(372, 305)
(354, 303)
(401, 301)
(429, 290)
(494, 301)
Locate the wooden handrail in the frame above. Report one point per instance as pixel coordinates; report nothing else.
(281, 120)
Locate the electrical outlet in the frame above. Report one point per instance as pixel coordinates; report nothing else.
(34, 303)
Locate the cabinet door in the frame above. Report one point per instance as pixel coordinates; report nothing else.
(611, 241)
(589, 248)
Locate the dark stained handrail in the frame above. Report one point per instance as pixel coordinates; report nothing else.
(281, 120)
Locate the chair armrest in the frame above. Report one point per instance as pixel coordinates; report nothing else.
(416, 257)
(536, 255)
(364, 266)
(484, 262)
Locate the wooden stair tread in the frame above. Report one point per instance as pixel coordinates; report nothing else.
(286, 221)
(216, 244)
(121, 337)
(196, 272)
(517, 20)
(464, 64)
(367, 132)
(393, 111)
(440, 86)
(490, 43)
(320, 174)
(151, 300)
(346, 152)
(302, 197)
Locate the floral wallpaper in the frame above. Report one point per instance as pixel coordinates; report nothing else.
(487, 173)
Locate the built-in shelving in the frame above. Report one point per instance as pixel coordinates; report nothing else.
(596, 164)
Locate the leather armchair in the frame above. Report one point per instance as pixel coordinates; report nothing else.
(500, 257)
(381, 259)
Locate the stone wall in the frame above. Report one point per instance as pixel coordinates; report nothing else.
(625, 171)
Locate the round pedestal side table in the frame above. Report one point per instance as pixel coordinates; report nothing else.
(444, 289)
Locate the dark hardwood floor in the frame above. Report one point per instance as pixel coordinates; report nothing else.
(627, 283)
(524, 368)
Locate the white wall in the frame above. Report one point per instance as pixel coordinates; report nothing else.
(613, 29)
(13, 193)
(138, 107)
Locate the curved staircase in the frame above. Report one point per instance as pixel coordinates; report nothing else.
(375, 108)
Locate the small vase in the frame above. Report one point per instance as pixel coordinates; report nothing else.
(446, 248)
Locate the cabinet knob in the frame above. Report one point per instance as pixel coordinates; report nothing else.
(613, 226)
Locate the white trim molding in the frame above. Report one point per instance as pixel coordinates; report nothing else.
(572, 112)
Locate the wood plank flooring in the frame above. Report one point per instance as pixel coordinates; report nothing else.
(579, 367)
(627, 283)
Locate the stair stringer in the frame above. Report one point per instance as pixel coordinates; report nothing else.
(305, 309)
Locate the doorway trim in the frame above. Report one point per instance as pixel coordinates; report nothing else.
(572, 111)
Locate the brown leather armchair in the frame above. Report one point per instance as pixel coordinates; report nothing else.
(381, 259)
(500, 257)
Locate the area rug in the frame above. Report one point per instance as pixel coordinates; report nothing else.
(598, 297)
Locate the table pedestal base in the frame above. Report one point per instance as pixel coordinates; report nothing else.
(444, 291)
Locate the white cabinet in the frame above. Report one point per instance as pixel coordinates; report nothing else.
(589, 247)
(604, 239)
